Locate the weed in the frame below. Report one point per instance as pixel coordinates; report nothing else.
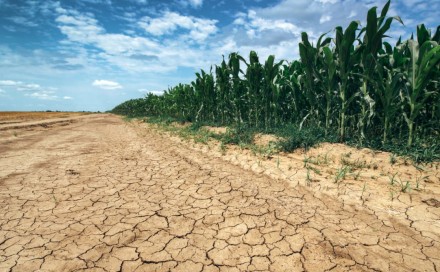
(127, 119)
(418, 167)
(391, 195)
(319, 160)
(418, 180)
(305, 137)
(266, 151)
(393, 159)
(326, 160)
(306, 160)
(354, 164)
(308, 177)
(222, 148)
(341, 173)
(236, 136)
(417, 184)
(314, 169)
(405, 186)
(392, 179)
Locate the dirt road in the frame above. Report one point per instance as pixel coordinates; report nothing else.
(101, 194)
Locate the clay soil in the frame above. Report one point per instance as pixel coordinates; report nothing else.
(100, 194)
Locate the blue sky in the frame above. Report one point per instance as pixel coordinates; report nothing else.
(94, 54)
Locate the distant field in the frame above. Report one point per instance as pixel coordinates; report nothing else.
(10, 117)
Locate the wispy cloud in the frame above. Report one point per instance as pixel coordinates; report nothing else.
(43, 95)
(190, 3)
(28, 87)
(195, 3)
(23, 21)
(255, 24)
(143, 2)
(115, 48)
(31, 90)
(199, 29)
(160, 55)
(146, 91)
(106, 84)
(10, 83)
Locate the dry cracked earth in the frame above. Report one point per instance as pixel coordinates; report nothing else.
(100, 194)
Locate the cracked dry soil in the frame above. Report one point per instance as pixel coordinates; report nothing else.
(97, 195)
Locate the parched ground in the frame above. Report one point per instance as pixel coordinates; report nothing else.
(101, 194)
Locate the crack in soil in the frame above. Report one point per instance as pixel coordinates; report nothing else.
(142, 202)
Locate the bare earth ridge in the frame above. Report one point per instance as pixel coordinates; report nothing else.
(100, 194)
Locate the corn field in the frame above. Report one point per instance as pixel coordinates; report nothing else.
(354, 84)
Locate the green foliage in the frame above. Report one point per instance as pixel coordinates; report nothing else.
(237, 136)
(295, 137)
(354, 87)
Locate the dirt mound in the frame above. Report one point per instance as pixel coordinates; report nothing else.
(216, 130)
(265, 139)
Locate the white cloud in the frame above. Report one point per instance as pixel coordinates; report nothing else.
(79, 28)
(139, 53)
(325, 18)
(305, 14)
(328, 1)
(253, 32)
(83, 29)
(106, 84)
(146, 91)
(199, 29)
(21, 86)
(196, 3)
(28, 87)
(43, 95)
(117, 48)
(10, 83)
(67, 97)
(261, 24)
(191, 3)
(352, 14)
(22, 21)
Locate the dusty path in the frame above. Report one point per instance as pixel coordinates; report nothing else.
(105, 195)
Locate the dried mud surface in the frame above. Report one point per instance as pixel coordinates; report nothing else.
(100, 194)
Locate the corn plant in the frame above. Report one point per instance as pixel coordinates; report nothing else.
(351, 84)
(345, 54)
(424, 57)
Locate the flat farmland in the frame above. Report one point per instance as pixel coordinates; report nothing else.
(8, 117)
(10, 120)
(98, 193)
